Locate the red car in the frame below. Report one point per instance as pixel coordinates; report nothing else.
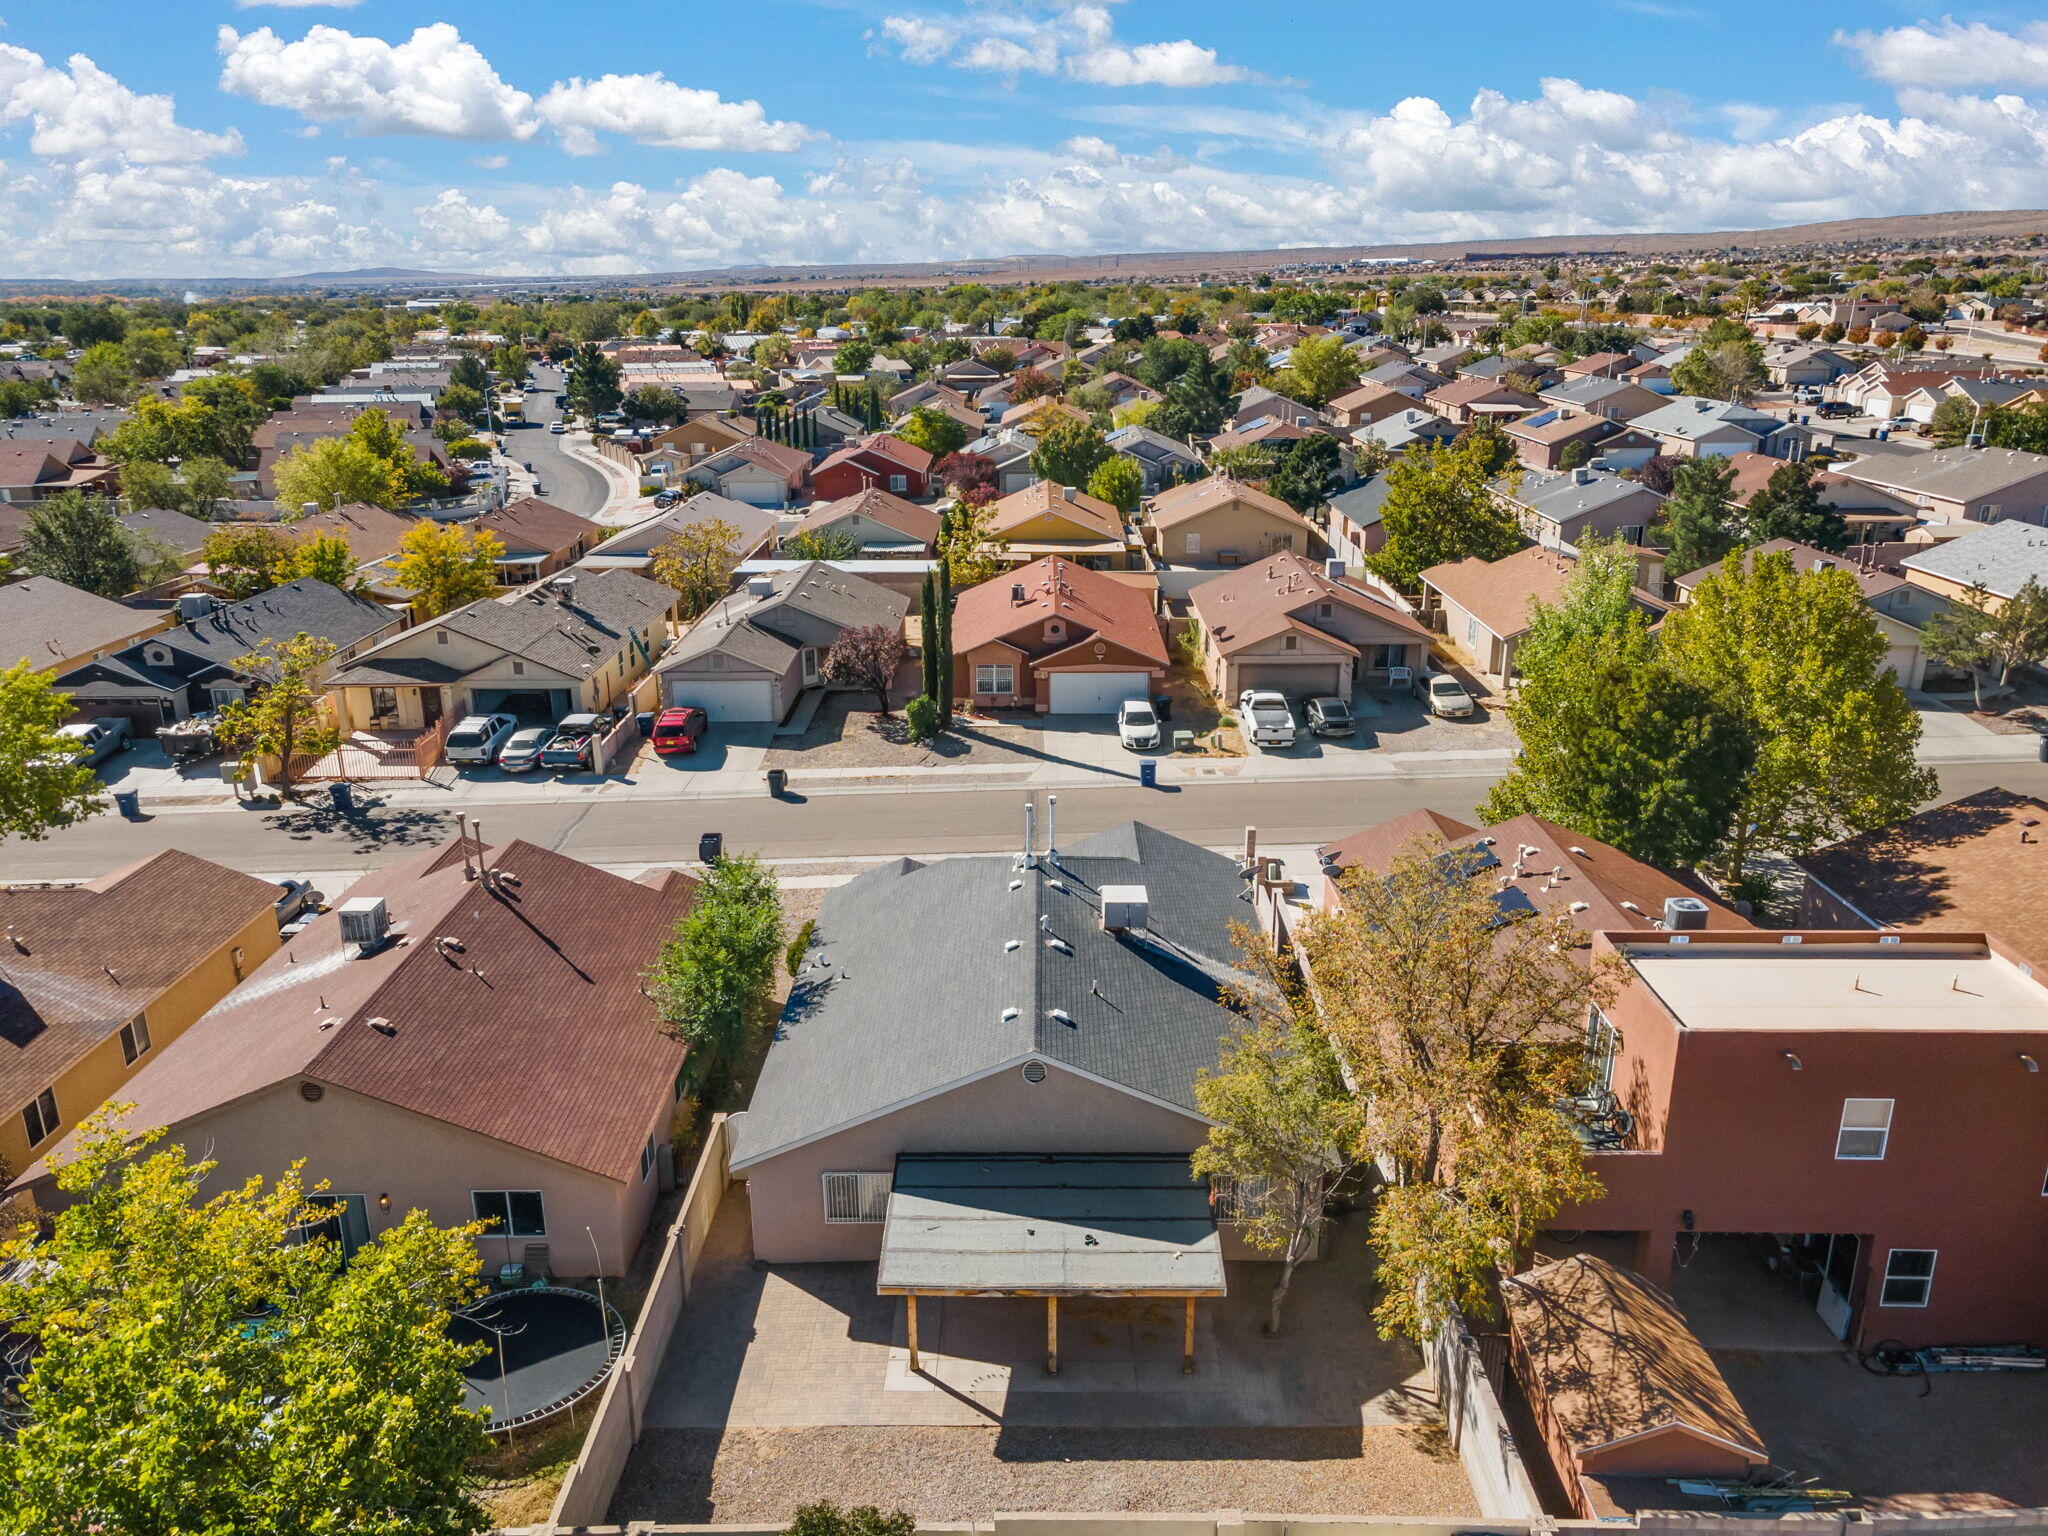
(679, 730)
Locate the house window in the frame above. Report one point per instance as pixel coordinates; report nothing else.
(1866, 1127)
(856, 1197)
(1290, 642)
(519, 669)
(647, 1159)
(1234, 1199)
(718, 661)
(1603, 1044)
(1908, 1277)
(134, 1039)
(1325, 610)
(1193, 544)
(349, 1225)
(1472, 634)
(440, 637)
(383, 705)
(40, 1117)
(510, 1212)
(899, 483)
(995, 677)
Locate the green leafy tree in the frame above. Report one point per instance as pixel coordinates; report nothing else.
(698, 560)
(1318, 369)
(1983, 636)
(1281, 1123)
(1461, 1036)
(336, 472)
(198, 487)
(933, 430)
(81, 541)
(1575, 456)
(509, 362)
(719, 969)
(1695, 526)
(1439, 508)
(1488, 442)
(102, 376)
(1310, 471)
(461, 402)
(153, 351)
(1953, 421)
(593, 381)
(821, 544)
(244, 559)
(1119, 481)
(1069, 452)
(445, 565)
(323, 557)
(1790, 507)
(853, 356)
(198, 1367)
(1799, 660)
(1731, 369)
(42, 784)
(285, 717)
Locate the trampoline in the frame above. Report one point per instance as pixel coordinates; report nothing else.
(547, 1347)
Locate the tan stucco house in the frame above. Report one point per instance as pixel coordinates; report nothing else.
(386, 1055)
(1286, 623)
(96, 980)
(1220, 522)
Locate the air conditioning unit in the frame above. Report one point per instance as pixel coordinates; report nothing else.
(364, 921)
(1682, 912)
(1125, 906)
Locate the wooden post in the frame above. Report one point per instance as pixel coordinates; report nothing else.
(911, 1303)
(1187, 1363)
(1052, 1335)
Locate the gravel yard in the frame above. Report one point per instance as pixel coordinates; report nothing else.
(742, 1475)
(846, 732)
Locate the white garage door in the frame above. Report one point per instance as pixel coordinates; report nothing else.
(1096, 693)
(725, 701)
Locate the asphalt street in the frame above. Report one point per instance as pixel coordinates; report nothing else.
(309, 838)
(567, 483)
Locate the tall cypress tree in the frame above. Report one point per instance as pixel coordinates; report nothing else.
(945, 676)
(928, 651)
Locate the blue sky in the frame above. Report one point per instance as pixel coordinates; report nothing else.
(208, 137)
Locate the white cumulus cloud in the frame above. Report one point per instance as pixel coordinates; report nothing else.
(432, 84)
(1183, 63)
(1049, 37)
(81, 113)
(650, 109)
(1952, 55)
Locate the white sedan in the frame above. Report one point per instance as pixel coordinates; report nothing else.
(1137, 725)
(1446, 696)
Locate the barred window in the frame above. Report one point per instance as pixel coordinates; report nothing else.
(856, 1197)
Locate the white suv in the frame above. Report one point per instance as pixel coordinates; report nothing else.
(477, 738)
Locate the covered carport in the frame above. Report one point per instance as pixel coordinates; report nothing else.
(1050, 1226)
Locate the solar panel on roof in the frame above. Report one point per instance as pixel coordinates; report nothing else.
(1512, 905)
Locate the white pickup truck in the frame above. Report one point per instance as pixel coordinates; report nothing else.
(1266, 719)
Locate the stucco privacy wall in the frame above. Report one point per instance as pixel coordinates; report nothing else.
(587, 1491)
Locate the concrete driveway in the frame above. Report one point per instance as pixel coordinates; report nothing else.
(1950, 736)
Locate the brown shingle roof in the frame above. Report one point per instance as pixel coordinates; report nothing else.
(1091, 601)
(530, 524)
(1249, 605)
(1960, 866)
(372, 532)
(1614, 1359)
(1048, 498)
(885, 445)
(534, 1032)
(878, 506)
(1181, 502)
(44, 621)
(83, 960)
(1499, 593)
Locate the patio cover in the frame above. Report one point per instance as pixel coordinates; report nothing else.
(1019, 1224)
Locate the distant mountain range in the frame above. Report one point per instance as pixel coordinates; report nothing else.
(1961, 228)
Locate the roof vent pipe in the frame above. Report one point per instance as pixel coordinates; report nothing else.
(1052, 849)
(1027, 833)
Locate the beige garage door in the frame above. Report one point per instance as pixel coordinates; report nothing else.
(1297, 682)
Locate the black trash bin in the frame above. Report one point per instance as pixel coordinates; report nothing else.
(645, 720)
(710, 847)
(1162, 706)
(778, 780)
(129, 802)
(1148, 773)
(341, 797)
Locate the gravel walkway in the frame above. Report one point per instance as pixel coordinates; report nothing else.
(752, 1475)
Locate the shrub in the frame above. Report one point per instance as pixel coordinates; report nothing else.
(922, 714)
(793, 957)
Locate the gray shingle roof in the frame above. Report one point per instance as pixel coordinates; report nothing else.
(905, 990)
(2002, 557)
(1690, 416)
(1563, 495)
(1950, 474)
(44, 621)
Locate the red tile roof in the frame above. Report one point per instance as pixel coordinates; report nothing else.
(1096, 605)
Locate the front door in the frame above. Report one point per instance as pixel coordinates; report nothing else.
(1838, 1282)
(430, 706)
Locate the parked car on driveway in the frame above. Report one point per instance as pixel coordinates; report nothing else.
(1329, 716)
(521, 752)
(1137, 725)
(570, 747)
(679, 730)
(95, 741)
(1834, 410)
(1446, 696)
(479, 738)
(1266, 719)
